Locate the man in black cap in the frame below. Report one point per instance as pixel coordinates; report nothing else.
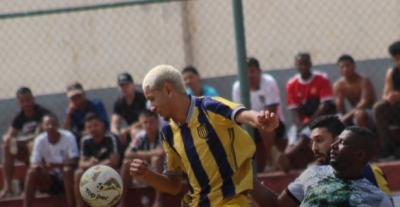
(79, 106)
(127, 107)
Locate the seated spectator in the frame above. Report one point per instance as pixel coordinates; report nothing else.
(79, 106)
(127, 107)
(325, 130)
(341, 183)
(264, 95)
(358, 90)
(146, 146)
(387, 111)
(191, 78)
(27, 124)
(98, 147)
(309, 96)
(53, 161)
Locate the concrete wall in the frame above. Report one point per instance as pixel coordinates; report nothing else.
(57, 103)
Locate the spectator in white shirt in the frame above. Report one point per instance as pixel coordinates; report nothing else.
(53, 160)
(264, 95)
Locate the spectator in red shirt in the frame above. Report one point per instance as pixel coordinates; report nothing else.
(309, 96)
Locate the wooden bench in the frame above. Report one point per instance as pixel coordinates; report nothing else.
(276, 181)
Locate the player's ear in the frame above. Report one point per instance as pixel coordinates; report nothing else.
(361, 154)
(168, 88)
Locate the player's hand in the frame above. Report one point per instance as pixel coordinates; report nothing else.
(93, 161)
(6, 140)
(71, 108)
(139, 168)
(394, 97)
(267, 121)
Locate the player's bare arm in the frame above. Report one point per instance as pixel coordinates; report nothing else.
(30, 137)
(264, 120)
(112, 161)
(388, 91)
(368, 95)
(322, 108)
(115, 124)
(166, 183)
(68, 163)
(86, 162)
(340, 101)
(265, 197)
(144, 154)
(297, 118)
(11, 132)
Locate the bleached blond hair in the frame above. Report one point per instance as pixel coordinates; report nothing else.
(162, 74)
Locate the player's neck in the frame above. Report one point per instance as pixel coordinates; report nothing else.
(152, 136)
(353, 78)
(53, 138)
(306, 76)
(29, 112)
(129, 97)
(181, 109)
(349, 174)
(197, 90)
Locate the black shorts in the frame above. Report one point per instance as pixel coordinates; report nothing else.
(279, 132)
(57, 186)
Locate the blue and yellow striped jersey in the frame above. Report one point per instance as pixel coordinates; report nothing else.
(213, 150)
(374, 174)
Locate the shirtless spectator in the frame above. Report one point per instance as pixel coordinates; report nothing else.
(387, 111)
(192, 80)
(128, 108)
(79, 106)
(27, 123)
(358, 90)
(309, 96)
(54, 159)
(264, 95)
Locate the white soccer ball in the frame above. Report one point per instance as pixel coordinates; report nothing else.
(101, 186)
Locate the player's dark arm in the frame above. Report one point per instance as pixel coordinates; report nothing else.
(115, 124)
(112, 161)
(143, 154)
(297, 118)
(340, 105)
(30, 137)
(388, 87)
(73, 162)
(322, 109)
(84, 162)
(265, 197)
(368, 95)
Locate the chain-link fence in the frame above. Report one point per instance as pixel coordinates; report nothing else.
(47, 44)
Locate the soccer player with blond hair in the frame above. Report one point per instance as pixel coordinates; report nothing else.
(202, 138)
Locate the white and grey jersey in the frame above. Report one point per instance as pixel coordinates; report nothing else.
(320, 186)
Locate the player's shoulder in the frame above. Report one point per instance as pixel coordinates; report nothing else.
(141, 135)
(41, 137)
(86, 138)
(110, 135)
(96, 101)
(293, 80)
(339, 82)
